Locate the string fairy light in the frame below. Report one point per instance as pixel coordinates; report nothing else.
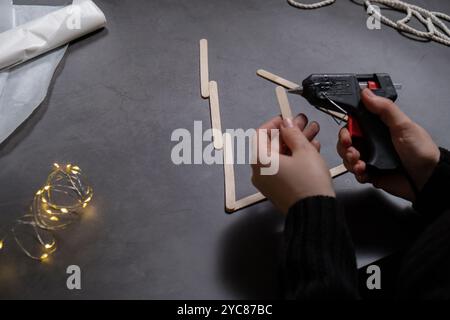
(58, 204)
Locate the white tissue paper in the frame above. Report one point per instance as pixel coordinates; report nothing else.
(28, 32)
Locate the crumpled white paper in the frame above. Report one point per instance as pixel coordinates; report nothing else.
(48, 32)
(41, 29)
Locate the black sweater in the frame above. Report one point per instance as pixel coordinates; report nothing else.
(319, 260)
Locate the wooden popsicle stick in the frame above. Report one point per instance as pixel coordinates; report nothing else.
(276, 79)
(228, 169)
(338, 170)
(283, 101)
(292, 85)
(204, 68)
(258, 197)
(336, 114)
(248, 201)
(215, 115)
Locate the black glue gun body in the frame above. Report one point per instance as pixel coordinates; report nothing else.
(342, 93)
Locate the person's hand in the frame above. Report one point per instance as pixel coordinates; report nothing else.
(302, 171)
(417, 151)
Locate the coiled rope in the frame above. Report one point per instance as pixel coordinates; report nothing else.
(431, 20)
(436, 28)
(315, 5)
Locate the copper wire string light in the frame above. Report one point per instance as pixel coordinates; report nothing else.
(58, 204)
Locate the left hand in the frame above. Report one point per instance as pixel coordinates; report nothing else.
(302, 170)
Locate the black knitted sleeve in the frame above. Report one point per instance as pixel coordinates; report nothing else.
(319, 259)
(434, 197)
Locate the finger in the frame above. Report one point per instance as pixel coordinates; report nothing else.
(344, 142)
(270, 128)
(260, 146)
(360, 168)
(274, 142)
(266, 128)
(357, 168)
(316, 144)
(292, 136)
(311, 130)
(352, 156)
(301, 121)
(345, 138)
(273, 123)
(387, 110)
(341, 150)
(348, 166)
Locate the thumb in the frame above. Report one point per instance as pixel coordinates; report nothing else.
(387, 110)
(292, 136)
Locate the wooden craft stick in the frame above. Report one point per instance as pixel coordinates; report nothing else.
(204, 68)
(258, 197)
(336, 114)
(276, 79)
(337, 171)
(248, 201)
(283, 101)
(215, 115)
(292, 85)
(228, 169)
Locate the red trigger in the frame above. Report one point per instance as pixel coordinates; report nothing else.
(372, 85)
(353, 128)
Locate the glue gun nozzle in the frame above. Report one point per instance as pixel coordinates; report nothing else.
(298, 90)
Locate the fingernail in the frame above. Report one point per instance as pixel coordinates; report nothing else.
(370, 93)
(287, 123)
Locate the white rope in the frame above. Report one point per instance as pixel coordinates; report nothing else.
(437, 30)
(315, 5)
(431, 20)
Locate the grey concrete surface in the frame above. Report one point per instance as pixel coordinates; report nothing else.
(158, 230)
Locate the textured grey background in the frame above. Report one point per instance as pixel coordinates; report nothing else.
(158, 230)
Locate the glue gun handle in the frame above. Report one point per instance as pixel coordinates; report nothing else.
(378, 151)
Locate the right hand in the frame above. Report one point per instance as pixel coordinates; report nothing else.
(417, 151)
